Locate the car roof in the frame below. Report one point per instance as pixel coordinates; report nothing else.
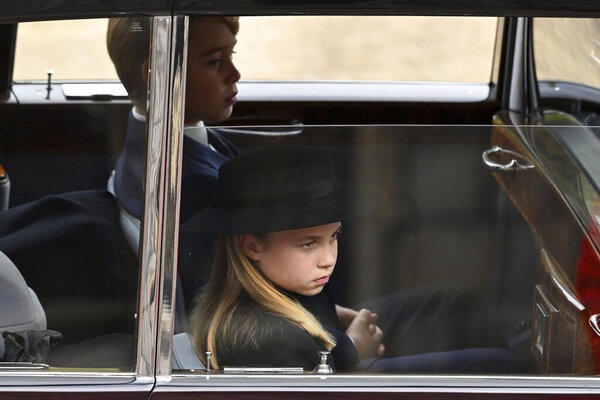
(19, 10)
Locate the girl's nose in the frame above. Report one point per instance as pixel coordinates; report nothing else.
(328, 256)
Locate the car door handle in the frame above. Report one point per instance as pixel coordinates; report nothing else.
(517, 161)
(594, 322)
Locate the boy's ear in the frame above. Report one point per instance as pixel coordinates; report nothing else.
(251, 246)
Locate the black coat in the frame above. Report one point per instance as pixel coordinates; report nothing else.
(272, 341)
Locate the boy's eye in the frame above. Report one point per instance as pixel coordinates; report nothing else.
(214, 62)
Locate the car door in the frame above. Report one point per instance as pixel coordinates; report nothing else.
(447, 222)
(556, 183)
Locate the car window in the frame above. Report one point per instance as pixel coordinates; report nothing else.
(70, 49)
(74, 304)
(449, 236)
(430, 260)
(465, 271)
(439, 49)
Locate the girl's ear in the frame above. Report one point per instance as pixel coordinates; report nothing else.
(251, 246)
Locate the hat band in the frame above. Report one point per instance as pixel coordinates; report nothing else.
(310, 192)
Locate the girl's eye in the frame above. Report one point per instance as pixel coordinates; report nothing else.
(308, 245)
(337, 234)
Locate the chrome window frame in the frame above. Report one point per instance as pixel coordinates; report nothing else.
(158, 254)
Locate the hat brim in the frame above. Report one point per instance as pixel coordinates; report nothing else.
(347, 201)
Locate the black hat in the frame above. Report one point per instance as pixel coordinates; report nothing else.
(281, 188)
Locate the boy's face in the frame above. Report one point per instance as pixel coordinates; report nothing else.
(211, 76)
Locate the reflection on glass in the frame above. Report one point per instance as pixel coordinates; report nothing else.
(567, 50)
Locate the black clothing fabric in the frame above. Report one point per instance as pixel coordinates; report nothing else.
(71, 252)
(271, 342)
(29, 346)
(322, 306)
(198, 177)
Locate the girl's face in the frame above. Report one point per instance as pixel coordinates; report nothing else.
(300, 260)
(210, 91)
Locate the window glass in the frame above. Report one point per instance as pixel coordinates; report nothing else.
(62, 230)
(568, 50)
(71, 49)
(441, 49)
(367, 48)
(462, 282)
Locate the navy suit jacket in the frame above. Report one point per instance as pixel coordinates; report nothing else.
(199, 173)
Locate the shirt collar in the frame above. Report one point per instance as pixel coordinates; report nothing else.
(195, 132)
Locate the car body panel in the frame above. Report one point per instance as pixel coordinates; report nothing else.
(555, 180)
(41, 10)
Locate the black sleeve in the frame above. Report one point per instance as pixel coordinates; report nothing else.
(344, 353)
(322, 305)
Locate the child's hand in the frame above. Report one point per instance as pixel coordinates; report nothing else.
(345, 316)
(367, 336)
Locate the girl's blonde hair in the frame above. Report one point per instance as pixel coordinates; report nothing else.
(233, 275)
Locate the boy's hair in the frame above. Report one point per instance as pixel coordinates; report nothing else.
(128, 44)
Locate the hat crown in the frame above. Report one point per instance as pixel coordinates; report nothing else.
(259, 179)
(280, 188)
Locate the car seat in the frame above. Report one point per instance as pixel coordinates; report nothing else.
(22, 318)
(20, 308)
(130, 225)
(184, 356)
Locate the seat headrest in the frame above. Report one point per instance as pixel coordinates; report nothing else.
(20, 308)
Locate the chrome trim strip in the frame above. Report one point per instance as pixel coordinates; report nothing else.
(517, 95)
(351, 383)
(559, 282)
(172, 183)
(290, 90)
(150, 254)
(97, 381)
(363, 91)
(49, 379)
(567, 293)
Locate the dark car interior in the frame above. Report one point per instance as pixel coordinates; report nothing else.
(447, 221)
